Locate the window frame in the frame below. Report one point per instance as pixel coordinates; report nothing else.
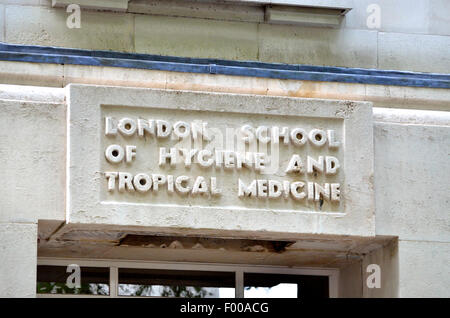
(238, 269)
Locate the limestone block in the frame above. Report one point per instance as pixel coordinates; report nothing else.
(414, 52)
(350, 281)
(47, 26)
(2, 22)
(161, 201)
(23, 2)
(412, 178)
(36, 74)
(32, 93)
(196, 37)
(18, 250)
(198, 9)
(408, 97)
(32, 148)
(108, 5)
(425, 17)
(116, 76)
(438, 17)
(217, 83)
(424, 269)
(317, 46)
(46, 3)
(411, 117)
(384, 259)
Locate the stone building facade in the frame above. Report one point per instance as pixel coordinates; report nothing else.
(235, 143)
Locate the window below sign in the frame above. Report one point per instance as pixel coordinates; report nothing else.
(113, 278)
(175, 283)
(63, 280)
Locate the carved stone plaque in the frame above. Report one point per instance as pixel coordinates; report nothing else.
(178, 159)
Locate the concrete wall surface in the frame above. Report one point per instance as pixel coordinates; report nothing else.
(156, 27)
(410, 241)
(18, 251)
(411, 178)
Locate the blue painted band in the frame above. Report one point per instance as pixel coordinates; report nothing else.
(41, 54)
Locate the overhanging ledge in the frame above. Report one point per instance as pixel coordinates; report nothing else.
(56, 55)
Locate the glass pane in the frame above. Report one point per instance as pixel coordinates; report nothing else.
(277, 291)
(285, 286)
(53, 280)
(172, 283)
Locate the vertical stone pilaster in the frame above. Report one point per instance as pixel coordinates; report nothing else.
(18, 254)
